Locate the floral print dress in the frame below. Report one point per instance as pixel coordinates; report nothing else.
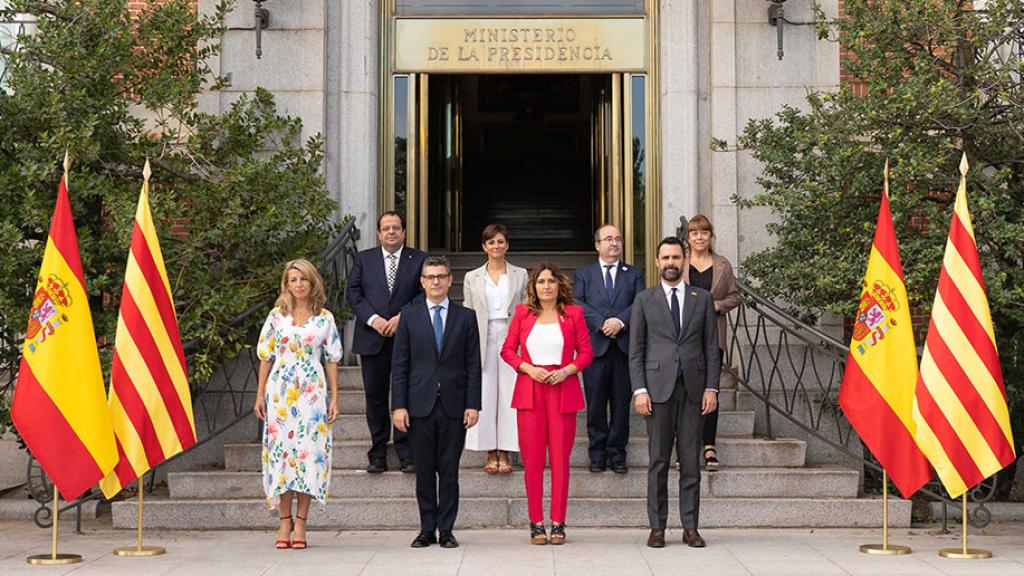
(296, 435)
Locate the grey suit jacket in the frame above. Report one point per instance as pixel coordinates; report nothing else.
(655, 353)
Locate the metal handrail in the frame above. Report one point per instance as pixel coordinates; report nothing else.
(235, 379)
(795, 370)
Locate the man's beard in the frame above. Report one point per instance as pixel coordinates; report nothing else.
(671, 273)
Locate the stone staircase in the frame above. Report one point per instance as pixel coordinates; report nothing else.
(762, 483)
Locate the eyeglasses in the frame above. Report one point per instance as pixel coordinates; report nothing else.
(611, 239)
(435, 277)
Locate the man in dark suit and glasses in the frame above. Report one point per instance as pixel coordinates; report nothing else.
(605, 290)
(436, 396)
(382, 281)
(674, 365)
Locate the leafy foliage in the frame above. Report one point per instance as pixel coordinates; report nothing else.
(938, 78)
(233, 194)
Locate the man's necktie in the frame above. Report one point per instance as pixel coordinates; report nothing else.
(438, 327)
(608, 287)
(676, 312)
(392, 272)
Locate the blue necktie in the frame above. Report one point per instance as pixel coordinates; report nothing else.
(608, 281)
(438, 327)
(675, 312)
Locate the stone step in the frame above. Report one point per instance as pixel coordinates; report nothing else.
(402, 513)
(353, 426)
(733, 452)
(475, 483)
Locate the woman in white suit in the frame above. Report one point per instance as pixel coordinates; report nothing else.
(492, 291)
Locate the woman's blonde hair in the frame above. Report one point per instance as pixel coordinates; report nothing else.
(564, 289)
(317, 296)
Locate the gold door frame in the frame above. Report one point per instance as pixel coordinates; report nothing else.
(615, 205)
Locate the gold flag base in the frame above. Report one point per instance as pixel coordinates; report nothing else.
(53, 559)
(139, 551)
(883, 550)
(965, 553)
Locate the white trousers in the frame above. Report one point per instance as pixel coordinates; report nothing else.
(496, 429)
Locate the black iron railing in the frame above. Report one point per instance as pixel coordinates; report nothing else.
(225, 398)
(795, 371)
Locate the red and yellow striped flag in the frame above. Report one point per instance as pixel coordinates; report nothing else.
(877, 392)
(963, 424)
(149, 398)
(58, 400)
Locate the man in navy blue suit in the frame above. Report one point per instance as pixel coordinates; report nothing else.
(382, 281)
(606, 290)
(435, 393)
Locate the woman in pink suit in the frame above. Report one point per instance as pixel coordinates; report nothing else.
(548, 345)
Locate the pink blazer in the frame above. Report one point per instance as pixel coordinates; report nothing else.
(576, 351)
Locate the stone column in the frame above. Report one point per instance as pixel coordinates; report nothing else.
(352, 86)
(679, 102)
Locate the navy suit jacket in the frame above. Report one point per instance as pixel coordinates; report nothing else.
(588, 291)
(419, 370)
(367, 292)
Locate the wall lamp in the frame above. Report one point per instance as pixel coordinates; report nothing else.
(262, 21)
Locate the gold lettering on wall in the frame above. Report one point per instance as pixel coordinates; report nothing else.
(520, 45)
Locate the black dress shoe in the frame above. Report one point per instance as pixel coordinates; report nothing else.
(596, 466)
(424, 539)
(657, 538)
(448, 540)
(692, 538)
(619, 467)
(408, 466)
(377, 466)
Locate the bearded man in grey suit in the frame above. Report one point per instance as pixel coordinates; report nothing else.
(674, 364)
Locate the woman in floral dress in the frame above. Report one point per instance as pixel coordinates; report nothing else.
(299, 350)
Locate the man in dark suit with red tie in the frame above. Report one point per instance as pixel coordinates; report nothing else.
(382, 281)
(605, 290)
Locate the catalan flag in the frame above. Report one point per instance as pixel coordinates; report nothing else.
(58, 400)
(963, 424)
(149, 395)
(877, 392)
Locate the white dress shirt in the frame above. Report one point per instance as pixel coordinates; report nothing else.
(398, 260)
(497, 297)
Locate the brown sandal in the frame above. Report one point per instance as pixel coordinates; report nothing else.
(492, 463)
(504, 466)
(299, 544)
(285, 544)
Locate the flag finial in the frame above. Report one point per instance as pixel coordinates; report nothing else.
(964, 166)
(146, 171)
(67, 161)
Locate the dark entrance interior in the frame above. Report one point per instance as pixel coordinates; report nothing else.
(515, 149)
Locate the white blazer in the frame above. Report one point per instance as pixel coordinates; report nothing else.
(474, 296)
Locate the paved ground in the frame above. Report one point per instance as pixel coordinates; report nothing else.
(590, 552)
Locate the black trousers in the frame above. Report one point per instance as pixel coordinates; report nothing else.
(377, 385)
(437, 442)
(711, 420)
(606, 382)
(677, 421)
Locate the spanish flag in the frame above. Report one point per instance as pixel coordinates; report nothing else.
(963, 424)
(149, 400)
(877, 392)
(58, 400)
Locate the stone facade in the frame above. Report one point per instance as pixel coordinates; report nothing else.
(718, 66)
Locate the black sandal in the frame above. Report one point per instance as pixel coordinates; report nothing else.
(538, 535)
(558, 533)
(711, 462)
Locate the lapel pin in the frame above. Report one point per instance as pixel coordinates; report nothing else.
(693, 293)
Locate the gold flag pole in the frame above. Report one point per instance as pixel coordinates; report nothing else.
(139, 549)
(965, 553)
(53, 558)
(884, 549)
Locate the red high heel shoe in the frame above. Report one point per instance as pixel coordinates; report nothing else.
(299, 544)
(285, 544)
